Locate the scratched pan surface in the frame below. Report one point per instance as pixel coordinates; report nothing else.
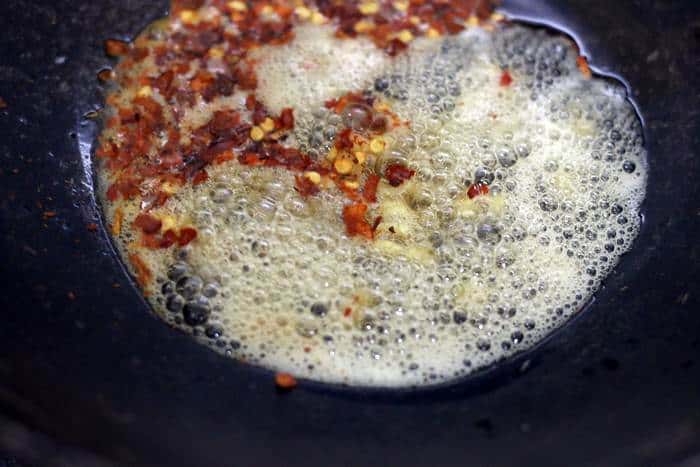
(89, 377)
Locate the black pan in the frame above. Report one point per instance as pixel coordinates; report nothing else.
(89, 377)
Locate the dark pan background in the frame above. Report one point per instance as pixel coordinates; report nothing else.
(89, 377)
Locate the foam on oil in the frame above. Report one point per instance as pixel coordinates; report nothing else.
(450, 284)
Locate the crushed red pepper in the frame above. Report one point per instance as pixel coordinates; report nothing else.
(147, 223)
(168, 238)
(285, 381)
(187, 234)
(506, 79)
(582, 65)
(305, 186)
(355, 221)
(477, 189)
(369, 191)
(116, 48)
(149, 154)
(143, 273)
(391, 25)
(105, 75)
(396, 174)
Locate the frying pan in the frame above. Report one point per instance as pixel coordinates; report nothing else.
(89, 377)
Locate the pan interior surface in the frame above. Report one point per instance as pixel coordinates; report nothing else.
(89, 377)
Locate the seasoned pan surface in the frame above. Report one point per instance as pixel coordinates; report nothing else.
(86, 370)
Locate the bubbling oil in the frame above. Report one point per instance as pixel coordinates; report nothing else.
(450, 284)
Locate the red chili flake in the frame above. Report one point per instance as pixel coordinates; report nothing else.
(250, 102)
(92, 227)
(506, 78)
(147, 223)
(582, 64)
(485, 8)
(160, 198)
(200, 177)
(143, 273)
(259, 114)
(169, 238)
(105, 75)
(331, 103)
(122, 187)
(150, 241)
(355, 222)
(222, 85)
(304, 186)
(285, 381)
(151, 106)
(170, 160)
(347, 311)
(164, 82)
(344, 140)
(3, 104)
(379, 124)
(477, 189)
(395, 46)
(197, 41)
(350, 193)
(127, 116)
(396, 174)
(116, 48)
(49, 214)
(307, 349)
(249, 158)
(338, 105)
(286, 119)
(187, 234)
(201, 81)
(257, 108)
(139, 53)
(369, 191)
(245, 77)
(179, 5)
(224, 157)
(376, 223)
